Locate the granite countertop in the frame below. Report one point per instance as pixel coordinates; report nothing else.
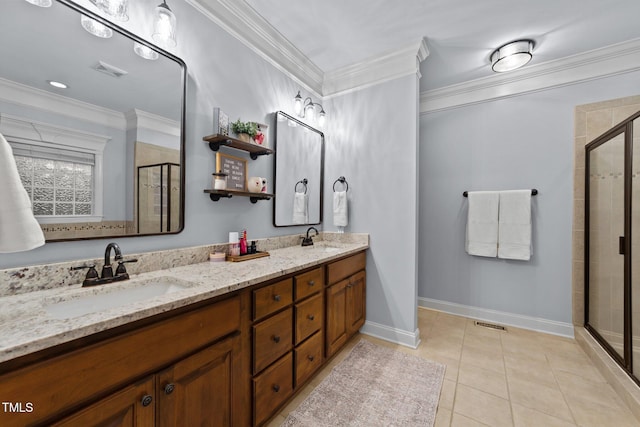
(38, 320)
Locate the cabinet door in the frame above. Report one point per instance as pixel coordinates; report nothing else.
(356, 302)
(133, 406)
(199, 389)
(337, 332)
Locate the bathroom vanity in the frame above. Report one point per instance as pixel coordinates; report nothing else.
(231, 349)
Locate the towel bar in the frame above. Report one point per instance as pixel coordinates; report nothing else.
(534, 192)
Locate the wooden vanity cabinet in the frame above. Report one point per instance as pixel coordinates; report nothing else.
(186, 367)
(345, 300)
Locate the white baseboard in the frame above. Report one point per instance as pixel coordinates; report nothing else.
(387, 333)
(500, 317)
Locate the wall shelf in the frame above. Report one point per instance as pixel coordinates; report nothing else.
(215, 195)
(216, 141)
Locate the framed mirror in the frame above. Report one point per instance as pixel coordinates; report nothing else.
(103, 156)
(299, 176)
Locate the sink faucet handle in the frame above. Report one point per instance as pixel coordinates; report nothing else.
(121, 268)
(92, 273)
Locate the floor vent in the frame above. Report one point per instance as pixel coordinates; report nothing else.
(490, 326)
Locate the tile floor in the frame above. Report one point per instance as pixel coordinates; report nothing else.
(496, 378)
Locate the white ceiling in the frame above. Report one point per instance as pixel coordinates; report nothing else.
(460, 34)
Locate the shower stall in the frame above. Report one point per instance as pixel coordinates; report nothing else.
(158, 198)
(612, 243)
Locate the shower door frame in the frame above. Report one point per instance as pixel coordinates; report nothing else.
(626, 128)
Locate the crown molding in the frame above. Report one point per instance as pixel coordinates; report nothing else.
(375, 70)
(27, 96)
(137, 119)
(245, 24)
(598, 63)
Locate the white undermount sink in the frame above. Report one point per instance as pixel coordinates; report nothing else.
(104, 298)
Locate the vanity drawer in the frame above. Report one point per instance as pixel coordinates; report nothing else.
(338, 270)
(308, 358)
(309, 317)
(272, 298)
(309, 283)
(272, 388)
(272, 338)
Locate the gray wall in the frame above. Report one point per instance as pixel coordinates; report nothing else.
(520, 142)
(372, 141)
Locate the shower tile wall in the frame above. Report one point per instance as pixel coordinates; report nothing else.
(591, 120)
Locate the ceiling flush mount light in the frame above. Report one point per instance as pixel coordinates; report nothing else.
(95, 27)
(164, 26)
(512, 56)
(41, 3)
(145, 52)
(307, 109)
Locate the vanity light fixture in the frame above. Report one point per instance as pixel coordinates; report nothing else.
(41, 3)
(511, 56)
(96, 28)
(144, 51)
(164, 26)
(307, 109)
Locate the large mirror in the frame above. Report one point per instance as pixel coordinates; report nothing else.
(103, 157)
(299, 176)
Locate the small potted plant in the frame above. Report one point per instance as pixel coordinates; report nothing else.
(245, 130)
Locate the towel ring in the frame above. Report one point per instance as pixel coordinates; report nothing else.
(304, 182)
(342, 180)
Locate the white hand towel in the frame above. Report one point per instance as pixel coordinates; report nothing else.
(300, 208)
(19, 229)
(514, 230)
(340, 209)
(482, 223)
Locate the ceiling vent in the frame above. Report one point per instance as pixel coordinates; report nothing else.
(109, 69)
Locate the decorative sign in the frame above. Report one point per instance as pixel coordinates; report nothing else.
(236, 170)
(220, 122)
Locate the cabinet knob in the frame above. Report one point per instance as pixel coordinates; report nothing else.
(310, 358)
(276, 339)
(311, 282)
(146, 400)
(276, 298)
(276, 388)
(350, 285)
(168, 389)
(311, 317)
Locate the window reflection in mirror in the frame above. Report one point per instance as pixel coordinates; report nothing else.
(79, 149)
(299, 176)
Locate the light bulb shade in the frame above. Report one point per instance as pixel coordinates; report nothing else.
(145, 52)
(41, 3)
(322, 118)
(95, 27)
(116, 9)
(297, 104)
(310, 112)
(164, 26)
(512, 56)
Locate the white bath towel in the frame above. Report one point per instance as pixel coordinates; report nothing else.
(300, 208)
(340, 209)
(482, 223)
(514, 229)
(19, 229)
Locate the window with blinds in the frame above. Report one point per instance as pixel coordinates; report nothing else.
(60, 182)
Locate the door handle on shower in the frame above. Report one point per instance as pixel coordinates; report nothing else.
(621, 245)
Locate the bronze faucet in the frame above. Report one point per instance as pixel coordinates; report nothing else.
(308, 241)
(92, 277)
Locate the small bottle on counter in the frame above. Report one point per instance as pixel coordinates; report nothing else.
(243, 243)
(234, 244)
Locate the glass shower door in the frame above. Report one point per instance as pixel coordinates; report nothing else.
(635, 245)
(606, 214)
